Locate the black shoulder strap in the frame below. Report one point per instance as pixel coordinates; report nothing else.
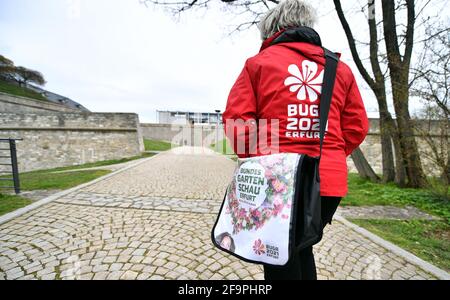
(329, 77)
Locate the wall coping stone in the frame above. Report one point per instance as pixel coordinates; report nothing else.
(30, 102)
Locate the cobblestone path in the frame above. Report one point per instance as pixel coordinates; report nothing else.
(153, 221)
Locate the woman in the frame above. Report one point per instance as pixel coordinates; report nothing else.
(226, 241)
(283, 83)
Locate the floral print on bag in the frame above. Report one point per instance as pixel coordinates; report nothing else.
(279, 194)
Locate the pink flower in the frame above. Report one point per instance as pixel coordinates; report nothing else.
(256, 214)
(277, 208)
(234, 203)
(278, 186)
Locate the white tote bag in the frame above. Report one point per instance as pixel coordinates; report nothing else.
(255, 222)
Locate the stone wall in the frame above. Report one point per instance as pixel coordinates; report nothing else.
(16, 104)
(198, 135)
(56, 139)
(206, 135)
(371, 146)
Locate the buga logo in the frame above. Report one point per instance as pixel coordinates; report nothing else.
(305, 82)
(303, 118)
(258, 247)
(270, 251)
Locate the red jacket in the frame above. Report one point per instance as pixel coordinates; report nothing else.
(283, 82)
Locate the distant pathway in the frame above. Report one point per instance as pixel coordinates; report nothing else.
(153, 221)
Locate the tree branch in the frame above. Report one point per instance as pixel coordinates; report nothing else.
(351, 42)
(390, 32)
(379, 78)
(409, 33)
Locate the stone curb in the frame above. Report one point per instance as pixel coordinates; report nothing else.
(411, 258)
(113, 167)
(9, 216)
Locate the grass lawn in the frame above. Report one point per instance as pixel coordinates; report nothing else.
(154, 145)
(38, 180)
(9, 88)
(44, 179)
(429, 240)
(10, 203)
(224, 148)
(363, 192)
(47, 179)
(101, 163)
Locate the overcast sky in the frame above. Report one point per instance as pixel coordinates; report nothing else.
(121, 56)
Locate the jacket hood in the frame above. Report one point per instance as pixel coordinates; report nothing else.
(301, 39)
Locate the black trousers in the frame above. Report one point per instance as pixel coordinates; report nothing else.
(302, 265)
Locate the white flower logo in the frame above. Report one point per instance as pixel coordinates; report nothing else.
(306, 82)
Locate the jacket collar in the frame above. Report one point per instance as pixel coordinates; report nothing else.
(294, 34)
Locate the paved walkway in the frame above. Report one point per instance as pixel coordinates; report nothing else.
(384, 212)
(153, 221)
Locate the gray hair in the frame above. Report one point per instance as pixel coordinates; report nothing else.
(288, 13)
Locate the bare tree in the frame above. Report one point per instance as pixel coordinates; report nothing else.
(249, 10)
(432, 84)
(397, 36)
(253, 6)
(399, 69)
(432, 75)
(388, 129)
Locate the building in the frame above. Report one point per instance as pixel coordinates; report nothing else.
(186, 117)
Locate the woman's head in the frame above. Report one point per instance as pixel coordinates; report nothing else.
(288, 13)
(226, 241)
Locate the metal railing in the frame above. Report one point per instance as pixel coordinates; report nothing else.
(10, 146)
